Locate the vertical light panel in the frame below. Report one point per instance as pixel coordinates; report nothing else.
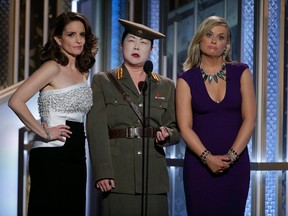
(45, 21)
(118, 11)
(27, 39)
(74, 6)
(272, 104)
(247, 32)
(154, 23)
(247, 46)
(4, 42)
(16, 42)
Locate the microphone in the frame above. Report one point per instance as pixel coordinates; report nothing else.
(148, 67)
(142, 86)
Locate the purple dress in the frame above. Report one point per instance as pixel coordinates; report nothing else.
(217, 125)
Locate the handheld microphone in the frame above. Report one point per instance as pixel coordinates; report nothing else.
(148, 67)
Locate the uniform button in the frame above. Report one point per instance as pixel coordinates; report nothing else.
(140, 105)
(138, 121)
(139, 153)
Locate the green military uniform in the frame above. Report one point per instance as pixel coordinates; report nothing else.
(121, 159)
(116, 137)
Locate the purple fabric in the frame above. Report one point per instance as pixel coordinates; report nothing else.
(217, 125)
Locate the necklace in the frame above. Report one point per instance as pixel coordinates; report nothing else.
(221, 74)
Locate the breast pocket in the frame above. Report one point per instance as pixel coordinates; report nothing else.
(158, 108)
(116, 104)
(119, 113)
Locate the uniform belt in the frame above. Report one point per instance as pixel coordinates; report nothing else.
(132, 132)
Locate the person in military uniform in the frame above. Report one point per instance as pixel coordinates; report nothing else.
(126, 173)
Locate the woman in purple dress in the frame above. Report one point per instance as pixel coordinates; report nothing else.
(216, 112)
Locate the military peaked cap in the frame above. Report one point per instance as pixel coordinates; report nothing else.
(141, 30)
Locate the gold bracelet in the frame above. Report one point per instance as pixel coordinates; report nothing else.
(204, 155)
(233, 155)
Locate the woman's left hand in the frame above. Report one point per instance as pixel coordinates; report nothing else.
(218, 163)
(162, 135)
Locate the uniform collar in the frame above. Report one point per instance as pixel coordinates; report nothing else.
(122, 71)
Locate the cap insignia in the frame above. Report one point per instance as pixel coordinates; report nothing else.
(140, 32)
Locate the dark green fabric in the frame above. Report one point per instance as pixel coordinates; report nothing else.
(131, 205)
(121, 159)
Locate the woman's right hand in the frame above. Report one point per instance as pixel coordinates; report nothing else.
(105, 185)
(218, 163)
(56, 133)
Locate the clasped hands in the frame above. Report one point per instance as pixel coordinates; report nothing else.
(218, 163)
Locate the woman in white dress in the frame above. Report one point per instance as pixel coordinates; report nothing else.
(57, 161)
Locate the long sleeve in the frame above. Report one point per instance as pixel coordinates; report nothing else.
(97, 134)
(169, 117)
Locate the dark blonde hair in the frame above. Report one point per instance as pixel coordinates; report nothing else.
(194, 53)
(51, 50)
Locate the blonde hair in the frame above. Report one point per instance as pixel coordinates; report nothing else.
(194, 53)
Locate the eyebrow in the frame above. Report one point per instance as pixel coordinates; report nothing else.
(221, 33)
(134, 37)
(131, 36)
(75, 32)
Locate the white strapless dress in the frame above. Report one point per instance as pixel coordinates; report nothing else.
(56, 106)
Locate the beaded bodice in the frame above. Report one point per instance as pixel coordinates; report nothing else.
(59, 105)
(73, 99)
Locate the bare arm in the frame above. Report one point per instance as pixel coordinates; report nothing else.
(248, 108)
(37, 81)
(185, 117)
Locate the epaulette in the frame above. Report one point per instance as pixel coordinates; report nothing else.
(119, 73)
(155, 76)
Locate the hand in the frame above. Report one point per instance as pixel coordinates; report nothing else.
(58, 132)
(218, 163)
(162, 135)
(105, 185)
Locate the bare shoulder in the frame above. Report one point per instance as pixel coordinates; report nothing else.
(246, 74)
(51, 67)
(46, 74)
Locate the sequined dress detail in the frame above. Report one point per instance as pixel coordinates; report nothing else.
(56, 106)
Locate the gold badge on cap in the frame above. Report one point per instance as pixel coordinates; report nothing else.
(140, 32)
